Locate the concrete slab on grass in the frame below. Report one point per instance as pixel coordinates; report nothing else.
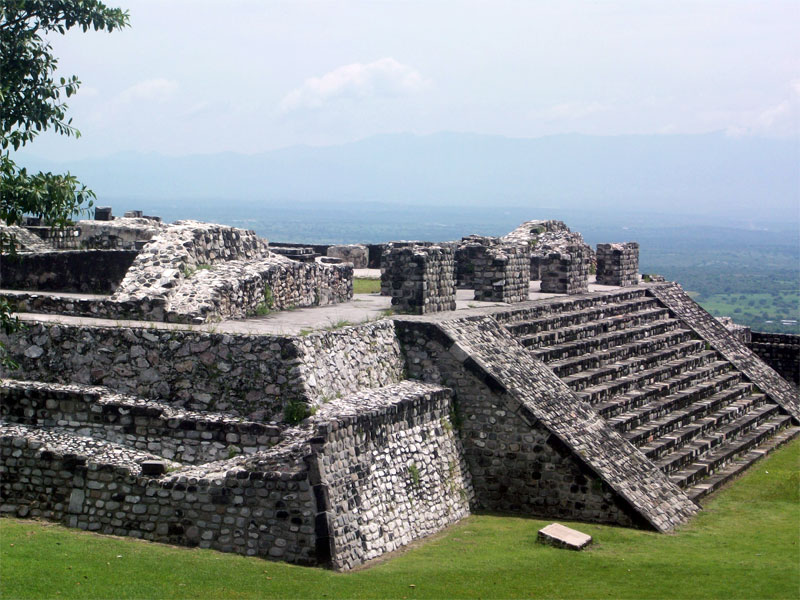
(560, 536)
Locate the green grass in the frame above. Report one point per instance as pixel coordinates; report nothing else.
(366, 286)
(743, 545)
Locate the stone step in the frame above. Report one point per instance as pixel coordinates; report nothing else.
(566, 304)
(577, 364)
(715, 442)
(670, 368)
(629, 366)
(605, 341)
(713, 392)
(641, 396)
(592, 329)
(742, 463)
(558, 320)
(683, 426)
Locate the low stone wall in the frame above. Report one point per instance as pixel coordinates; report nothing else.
(239, 289)
(358, 254)
(125, 233)
(183, 436)
(420, 279)
(566, 272)
(466, 252)
(618, 264)
(88, 271)
(781, 351)
(259, 506)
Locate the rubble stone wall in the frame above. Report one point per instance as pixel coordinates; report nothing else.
(124, 233)
(781, 351)
(420, 279)
(259, 506)
(87, 271)
(358, 254)
(618, 264)
(502, 274)
(183, 436)
(515, 466)
(393, 467)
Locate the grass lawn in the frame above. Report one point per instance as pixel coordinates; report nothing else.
(366, 286)
(743, 545)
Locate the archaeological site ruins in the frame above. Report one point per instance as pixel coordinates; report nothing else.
(193, 384)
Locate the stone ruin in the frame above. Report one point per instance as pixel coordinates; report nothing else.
(623, 405)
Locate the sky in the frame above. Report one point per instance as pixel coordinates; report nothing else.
(196, 76)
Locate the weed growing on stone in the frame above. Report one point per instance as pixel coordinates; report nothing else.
(295, 411)
(413, 471)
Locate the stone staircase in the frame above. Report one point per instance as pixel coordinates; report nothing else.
(665, 390)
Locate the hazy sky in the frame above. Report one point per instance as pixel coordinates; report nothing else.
(193, 76)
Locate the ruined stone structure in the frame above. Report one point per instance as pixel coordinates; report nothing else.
(419, 278)
(618, 264)
(616, 404)
(566, 272)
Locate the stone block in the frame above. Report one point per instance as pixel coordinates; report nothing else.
(561, 536)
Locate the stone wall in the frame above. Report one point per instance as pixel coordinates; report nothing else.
(258, 506)
(183, 436)
(393, 468)
(502, 274)
(87, 271)
(566, 272)
(246, 375)
(420, 279)
(531, 445)
(342, 361)
(358, 254)
(618, 264)
(781, 351)
(124, 233)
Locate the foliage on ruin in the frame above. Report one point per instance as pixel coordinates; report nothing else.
(32, 100)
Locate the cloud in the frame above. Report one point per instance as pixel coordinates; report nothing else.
(383, 78)
(568, 111)
(781, 119)
(153, 90)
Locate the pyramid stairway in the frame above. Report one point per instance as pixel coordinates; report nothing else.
(665, 390)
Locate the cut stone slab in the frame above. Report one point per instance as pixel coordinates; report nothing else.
(564, 537)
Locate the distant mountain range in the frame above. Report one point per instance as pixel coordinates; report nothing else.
(711, 174)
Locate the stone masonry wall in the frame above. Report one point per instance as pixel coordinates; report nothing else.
(502, 274)
(246, 375)
(258, 506)
(183, 436)
(88, 271)
(566, 272)
(781, 351)
(393, 470)
(358, 254)
(343, 361)
(618, 264)
(420, 279)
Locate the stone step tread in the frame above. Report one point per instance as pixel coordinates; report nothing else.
(656, 372)
(709, 463)
(629, 364)
(707, 443)
(609, 339)
(728, 388)
(741, 464)
(653, 392)
(607, 309)
(685, 432)
(604, 324)
(570, 304)
(634, 348)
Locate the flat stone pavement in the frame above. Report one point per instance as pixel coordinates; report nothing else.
(362, 308)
